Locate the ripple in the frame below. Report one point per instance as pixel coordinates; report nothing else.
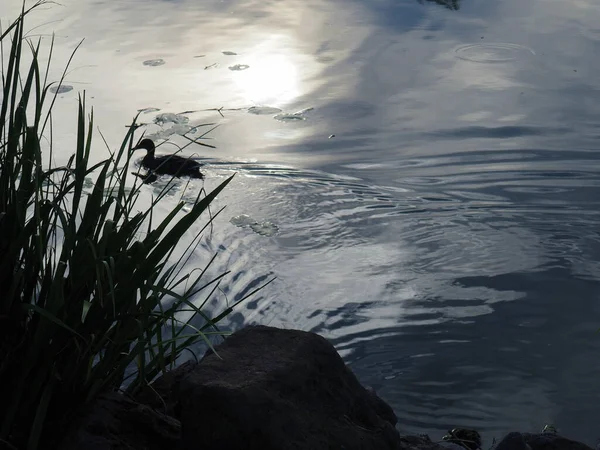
(154, 62)
(321, 210)
(492, 52)
(455, 254)
(537, 190)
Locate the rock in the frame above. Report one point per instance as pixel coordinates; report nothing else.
(422, 442)
(274, 389)
(463, 437)
(114, 422)
(382, 408)
(513, 441)
(538, 441)
(545, 441)
(159, 395)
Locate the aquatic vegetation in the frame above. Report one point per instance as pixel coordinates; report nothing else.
(92, 296)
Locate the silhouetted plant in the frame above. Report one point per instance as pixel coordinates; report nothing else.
(84, 277)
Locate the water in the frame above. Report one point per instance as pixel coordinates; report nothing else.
(422, 178)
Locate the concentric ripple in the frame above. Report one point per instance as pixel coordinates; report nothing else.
(438, 290)
(492, 52)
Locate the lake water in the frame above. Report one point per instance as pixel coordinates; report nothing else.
(423, 179)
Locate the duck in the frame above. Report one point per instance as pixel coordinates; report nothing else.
(167, 164)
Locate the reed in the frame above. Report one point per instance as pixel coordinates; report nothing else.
(90, 299)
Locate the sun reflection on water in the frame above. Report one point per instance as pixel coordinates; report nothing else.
(272, 76)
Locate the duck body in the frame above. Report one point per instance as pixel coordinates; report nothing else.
(168, 164)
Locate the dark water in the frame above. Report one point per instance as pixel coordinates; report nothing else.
(436, 214)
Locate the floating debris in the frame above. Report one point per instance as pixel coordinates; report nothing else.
(331, 136)
(265, 228)
(263, 110)
(62, 89)
(293, 117)
(243, 220)
(211, 66)
(178, 129)
(289, 117)
(199, 56)
(163, 118)
(229, 53)
(154, 62)
(239, 67)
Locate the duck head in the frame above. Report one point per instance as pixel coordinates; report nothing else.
(146, 144)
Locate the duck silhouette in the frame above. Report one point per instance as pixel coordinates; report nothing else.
(167, 164)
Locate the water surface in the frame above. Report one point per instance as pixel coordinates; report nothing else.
(422, 178)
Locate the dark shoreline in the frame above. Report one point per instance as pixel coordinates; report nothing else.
(269, 389)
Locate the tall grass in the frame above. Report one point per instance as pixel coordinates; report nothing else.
(87, 289)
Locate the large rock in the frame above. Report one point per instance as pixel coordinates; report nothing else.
(114, 422)
(274, 389)
(160, 395)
